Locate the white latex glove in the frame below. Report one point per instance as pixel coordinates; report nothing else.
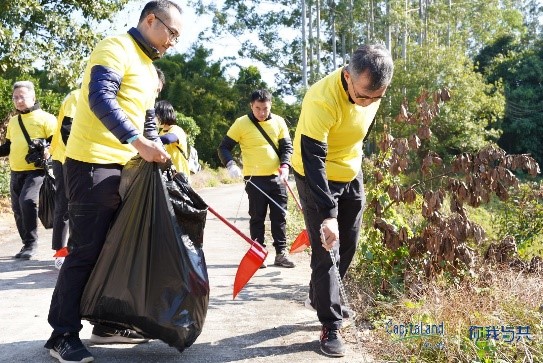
(233, 170)
(283, 174)
(329, 233)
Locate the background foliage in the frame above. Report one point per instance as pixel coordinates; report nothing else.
(486, 54)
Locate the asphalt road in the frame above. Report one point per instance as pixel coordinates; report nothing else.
(267, 322)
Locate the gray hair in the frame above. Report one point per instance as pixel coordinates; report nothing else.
(24, 84)
(376, 60)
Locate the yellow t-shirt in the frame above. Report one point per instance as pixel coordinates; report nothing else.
(90, 141)
(257, 155)
(39, 125)
(179, 161)
(67, 109)
(328, 116)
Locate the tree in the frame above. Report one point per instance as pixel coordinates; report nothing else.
(200, 89)
(518, 63)
(54, 35)
(523, 122)
(466, 122)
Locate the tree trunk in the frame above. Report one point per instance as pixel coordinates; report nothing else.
(304, 46)
(351, 22)
(388, 31)
(311, 40)
(318, 45)
(343, 48)
(449, 24)
(404, 33)
(333, 21)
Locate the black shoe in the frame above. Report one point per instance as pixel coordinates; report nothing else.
(332, 343)
(26, 253)
(68, 348)
(105, 335)
(282, 260)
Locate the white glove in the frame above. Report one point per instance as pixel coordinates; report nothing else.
(283, 174)
(329, 233)
(233, 170)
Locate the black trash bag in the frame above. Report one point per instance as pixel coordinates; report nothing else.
(150, 276)
(46, 202)
(190, 209)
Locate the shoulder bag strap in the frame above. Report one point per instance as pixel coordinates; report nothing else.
(28, 141)
(266, 136)
(182, 153)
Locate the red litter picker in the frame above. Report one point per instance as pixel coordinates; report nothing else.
(252, 260)
(302, 240)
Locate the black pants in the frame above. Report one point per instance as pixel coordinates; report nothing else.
(24, 188)
(60, 225)
(324, 287)
(93, 194)
(258, 207)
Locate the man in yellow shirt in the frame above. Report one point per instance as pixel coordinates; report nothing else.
(336, 114)
(58, 148)
(261, 161)
(119, 86)
(26, 178)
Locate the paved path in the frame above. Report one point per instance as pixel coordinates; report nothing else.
(266, 323)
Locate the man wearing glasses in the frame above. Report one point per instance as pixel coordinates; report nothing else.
(119, 88)
(336, 114)
(27, 177)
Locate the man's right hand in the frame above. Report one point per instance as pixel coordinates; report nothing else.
(233, 170)
(150, 151)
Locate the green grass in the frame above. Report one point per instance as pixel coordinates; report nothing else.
(4, 178)
(489, 295)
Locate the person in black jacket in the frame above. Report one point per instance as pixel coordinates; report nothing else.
(266, 166)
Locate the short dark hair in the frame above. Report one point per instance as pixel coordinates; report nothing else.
(165, 113)
(261, 95)
(158, 6)
(375, 59)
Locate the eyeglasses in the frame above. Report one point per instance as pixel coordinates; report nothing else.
(174, 37)
(17, 98)
(363, 98)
